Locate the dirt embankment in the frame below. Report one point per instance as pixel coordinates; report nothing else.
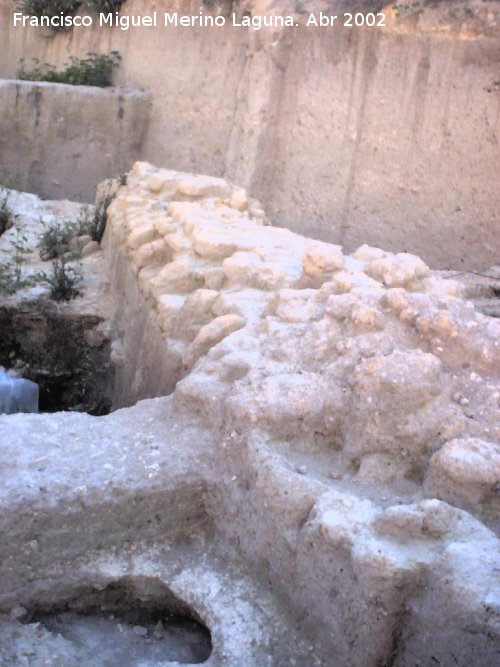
(383, 135)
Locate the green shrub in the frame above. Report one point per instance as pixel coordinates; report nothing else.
(11, 271)
(7, 217)
(6, 278)
(104, 5)
(56, 240)
(37, 73)
(94, 70)
(66, 7)
(96, 225)
(49, 7)
(63, 281)
(20, 250)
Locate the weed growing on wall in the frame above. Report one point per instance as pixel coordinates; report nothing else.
(63, 280)
(49, 7)
(104, 5)
(56, 240)
(94, 70)
(7, 217)
(96, 225)
(20, 246)
(12, 276)
(6, 280)
(66, 7)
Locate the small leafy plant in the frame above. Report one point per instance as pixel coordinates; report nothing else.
(48, 7)
(56, 240)
(104, 5)
(409, 9)
(12, 272)
(96, 225)
(63, 280)
(19, 260)
(94, 70)
(66, 7)
(7, 217)
(6, 279)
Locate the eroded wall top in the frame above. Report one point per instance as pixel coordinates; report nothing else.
(368, 356)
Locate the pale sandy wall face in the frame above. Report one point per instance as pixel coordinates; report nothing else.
(392, 140)
(57, 140)
(387, 137)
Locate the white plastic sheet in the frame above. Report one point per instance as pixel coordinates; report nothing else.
(17, 394)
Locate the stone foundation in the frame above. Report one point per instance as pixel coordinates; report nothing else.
(320, 486)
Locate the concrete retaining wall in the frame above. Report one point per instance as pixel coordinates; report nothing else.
(60, 141)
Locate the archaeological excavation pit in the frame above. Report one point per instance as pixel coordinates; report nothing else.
(128, 622)
(62, 352)
(60, 344)
(269, 418)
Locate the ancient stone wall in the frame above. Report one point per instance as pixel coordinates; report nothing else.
(355, 398)
(326, 466)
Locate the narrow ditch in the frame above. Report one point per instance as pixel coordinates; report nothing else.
(65, 353)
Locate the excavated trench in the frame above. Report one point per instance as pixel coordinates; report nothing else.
(64, 353)
(318, 486)
(220, 525)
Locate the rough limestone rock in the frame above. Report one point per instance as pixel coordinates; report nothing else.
(466, 472)
(331, 430)
(322, 258)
